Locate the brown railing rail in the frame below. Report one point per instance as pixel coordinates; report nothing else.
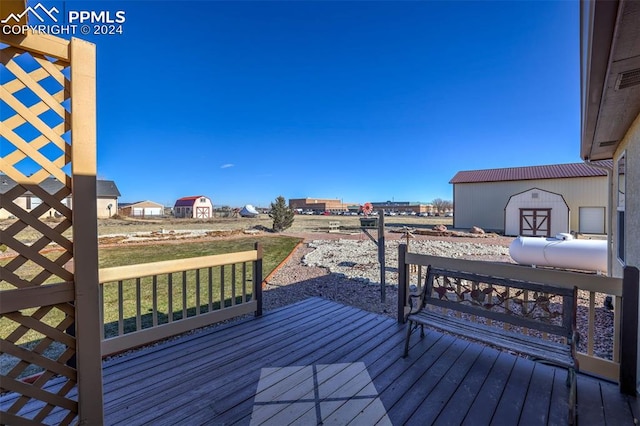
(412, 265)
(147, 302)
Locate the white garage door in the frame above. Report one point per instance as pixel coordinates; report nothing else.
(592, 220)
(138, 211)
(152, 211)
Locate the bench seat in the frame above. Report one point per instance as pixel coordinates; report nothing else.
(555, 352)
(533, 319)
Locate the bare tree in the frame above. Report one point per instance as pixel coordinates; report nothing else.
(441, 206)
(438, 205)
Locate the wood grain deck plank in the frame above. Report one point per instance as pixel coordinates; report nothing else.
(427, 410)
(240, 402)
(486, 402)
(145, 355)
(590, 406)
(616, 405)
(223, 364)
(244, 377)
(535, 410)
(458, 405)
(510, 406)
(559, 409)
(396, 379)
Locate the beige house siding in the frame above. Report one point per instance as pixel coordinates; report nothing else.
(483, 204)
(102, 204)
(630, 147)
(103, 207)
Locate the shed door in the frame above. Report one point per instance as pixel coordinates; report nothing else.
(202, 212)
(535, 222)
(138, 211)
(592, 220)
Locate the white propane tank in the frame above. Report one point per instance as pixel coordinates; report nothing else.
(560, 252)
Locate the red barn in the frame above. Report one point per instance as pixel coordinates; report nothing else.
(196, 207)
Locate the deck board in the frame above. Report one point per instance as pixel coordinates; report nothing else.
(488, 397)
(512, 401)
(457, 407)
(590, 405)
(321, 360)
(219, 366)
(437, 396)
(535, 410)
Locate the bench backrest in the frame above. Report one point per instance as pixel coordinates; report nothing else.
(523, 304)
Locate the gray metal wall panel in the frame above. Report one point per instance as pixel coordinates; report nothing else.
(483, 204)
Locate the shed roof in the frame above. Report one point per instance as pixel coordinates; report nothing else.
(188, 201)
(104, 188)
(144, 203)
(553, 171)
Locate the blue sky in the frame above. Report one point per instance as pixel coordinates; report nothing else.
(360, 101)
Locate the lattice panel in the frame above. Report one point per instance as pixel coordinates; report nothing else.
(35, 184)
(51, 350)
(35, 99)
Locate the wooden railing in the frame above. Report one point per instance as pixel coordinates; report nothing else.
(412, 266)
(148, 302)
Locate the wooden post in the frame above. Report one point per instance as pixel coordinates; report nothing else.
(257, 279)
(629, 331)
(381, 257)
(403, 284)
(85, 232)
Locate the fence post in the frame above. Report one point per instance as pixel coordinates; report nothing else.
(629, 331)
(257, 279)
(403, 285)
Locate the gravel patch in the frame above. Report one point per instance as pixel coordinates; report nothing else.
(359, 259)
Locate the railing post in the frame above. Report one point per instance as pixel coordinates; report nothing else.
(403, 284)
(629, 331)
(381, 257)
(257, 279)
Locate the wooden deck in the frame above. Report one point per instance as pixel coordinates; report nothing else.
(321, 361)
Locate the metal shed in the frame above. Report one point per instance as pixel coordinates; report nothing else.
(480, 197)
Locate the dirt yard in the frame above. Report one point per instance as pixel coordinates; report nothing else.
(132, 230)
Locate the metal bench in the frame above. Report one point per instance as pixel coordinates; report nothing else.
(537, 320)
(334, 226)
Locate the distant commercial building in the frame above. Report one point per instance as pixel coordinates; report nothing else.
(106, 190)
(320, 204)
(403, 206)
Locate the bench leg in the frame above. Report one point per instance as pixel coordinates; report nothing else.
(406, 340)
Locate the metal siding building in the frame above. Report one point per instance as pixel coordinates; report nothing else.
(480, 197)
